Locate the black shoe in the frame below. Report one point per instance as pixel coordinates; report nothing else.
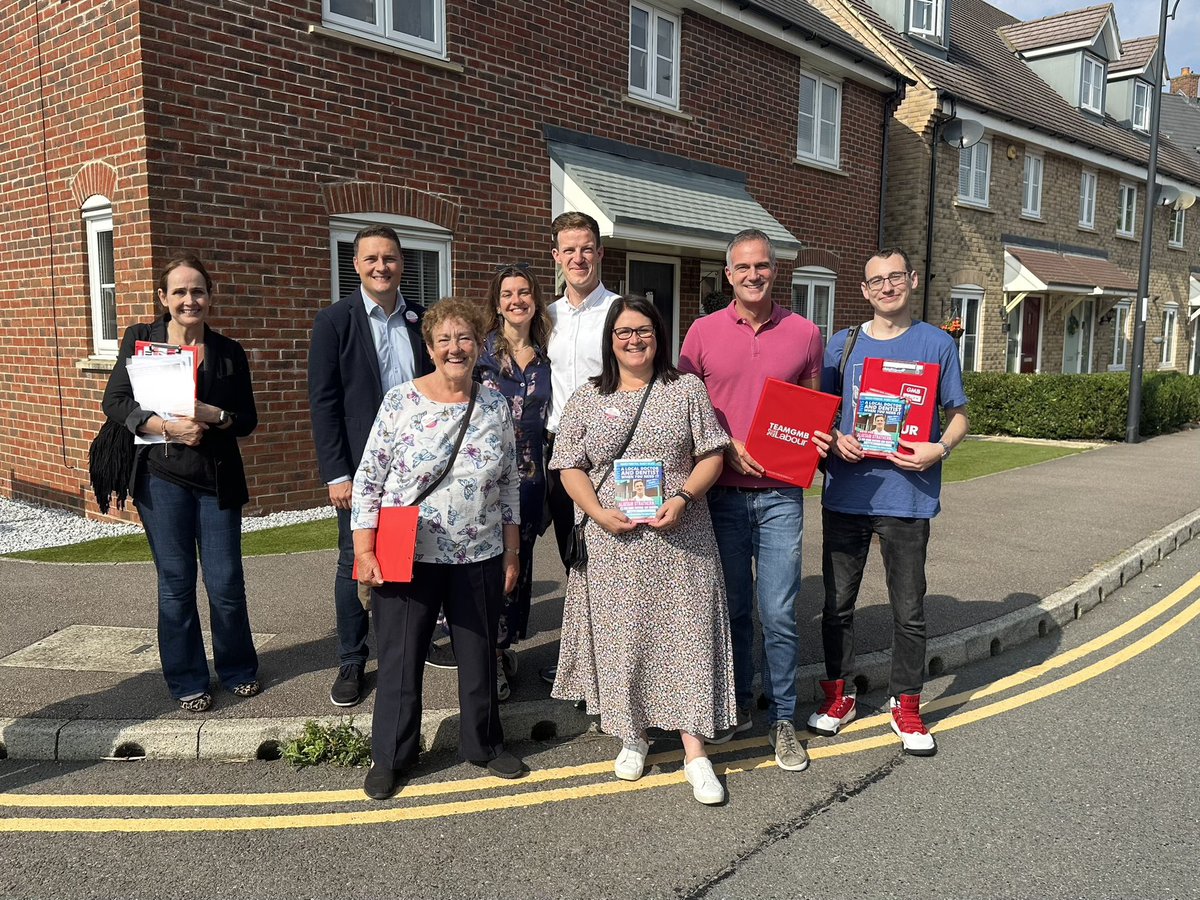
(548, 674)
(441, 656)
(505, 766)
(381, 782)
(347, 687)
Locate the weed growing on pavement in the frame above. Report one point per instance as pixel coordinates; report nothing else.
(338, 744)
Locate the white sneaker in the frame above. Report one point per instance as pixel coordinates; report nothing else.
(705, 787)
(909, 726)
(631, 761)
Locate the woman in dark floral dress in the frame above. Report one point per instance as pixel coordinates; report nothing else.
(513, 361)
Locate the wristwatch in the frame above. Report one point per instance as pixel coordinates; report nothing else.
(224, 418)
(945, 449)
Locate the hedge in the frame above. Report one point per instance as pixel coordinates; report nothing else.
(1082, 407)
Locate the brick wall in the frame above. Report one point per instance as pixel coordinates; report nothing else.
(234, 133)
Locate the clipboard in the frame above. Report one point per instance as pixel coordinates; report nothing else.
(395, 543)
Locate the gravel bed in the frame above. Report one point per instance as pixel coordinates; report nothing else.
(27, 526)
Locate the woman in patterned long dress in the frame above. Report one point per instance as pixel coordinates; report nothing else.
(514, 362)
(645, 636)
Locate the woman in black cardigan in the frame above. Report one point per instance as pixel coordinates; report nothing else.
(189, 490)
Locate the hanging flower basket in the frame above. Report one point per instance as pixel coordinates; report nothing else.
(953, 327)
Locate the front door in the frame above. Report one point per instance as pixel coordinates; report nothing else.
(1077, 340)
(655, 278)
(1031, 331)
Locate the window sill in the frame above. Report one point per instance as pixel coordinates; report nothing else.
(971, 204)
(1126, 237)
(96, 363)
(1090, 229)
(1030, 217)
(651, 106)
(820, 166)
(1171, 246)
(384, 47)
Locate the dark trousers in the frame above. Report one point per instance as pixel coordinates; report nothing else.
(514, 623)
(902, 544)
(472, 596)
(562, 507)
(353, 623)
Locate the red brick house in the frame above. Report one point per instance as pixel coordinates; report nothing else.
(263, 135)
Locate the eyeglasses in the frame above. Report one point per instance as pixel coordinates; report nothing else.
(895, 279)
(624, 334)
(521, 266)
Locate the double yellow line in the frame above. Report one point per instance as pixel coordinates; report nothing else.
(498, 801)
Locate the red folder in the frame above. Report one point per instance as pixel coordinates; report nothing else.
(155, 348)
(914, 382)
(780, 437)
(395, 543)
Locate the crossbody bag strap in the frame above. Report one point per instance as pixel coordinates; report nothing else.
(846, 351)
(453, 453)
(628, 438)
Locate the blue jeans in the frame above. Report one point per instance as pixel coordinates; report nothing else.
(179, 520)
(353, 622)
(764, 528)
(902, 544)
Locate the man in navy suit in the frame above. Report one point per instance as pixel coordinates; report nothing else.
(362, 346)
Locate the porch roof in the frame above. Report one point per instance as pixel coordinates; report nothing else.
(1026, 269)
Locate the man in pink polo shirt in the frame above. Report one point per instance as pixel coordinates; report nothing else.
(757, 519)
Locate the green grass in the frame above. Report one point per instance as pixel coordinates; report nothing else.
(971, 459)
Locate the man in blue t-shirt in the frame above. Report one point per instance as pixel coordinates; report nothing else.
(893, 498)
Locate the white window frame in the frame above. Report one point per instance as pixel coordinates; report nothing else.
(805, 281)
(1139, 116)
(935, 18)
(655, 55)
(1126, 209)
(971, 156)
(1031, 185)
(1087, 198)
(962, 298)
(1121, 322)
(1170, 323)
(818, 119)
(1177, 227)
(381, 29)
(414, 234)
(1091, 85)
(98, 221)
(1194, 363)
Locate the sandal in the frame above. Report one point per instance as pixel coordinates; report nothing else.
(249, 689)
(197, 704)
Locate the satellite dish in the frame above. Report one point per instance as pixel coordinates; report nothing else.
(1186, 200)
(962, 133)
(1168, 194)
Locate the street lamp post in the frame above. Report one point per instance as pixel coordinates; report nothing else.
(1133, 421)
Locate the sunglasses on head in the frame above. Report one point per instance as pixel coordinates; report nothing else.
(519, 266)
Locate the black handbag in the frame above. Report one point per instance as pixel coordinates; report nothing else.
(576, 553)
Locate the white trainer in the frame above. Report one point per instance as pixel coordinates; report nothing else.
(705, 787)
(631, 761)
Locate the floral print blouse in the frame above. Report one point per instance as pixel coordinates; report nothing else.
(462, 521)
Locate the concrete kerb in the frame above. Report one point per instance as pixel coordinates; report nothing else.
(546, 720)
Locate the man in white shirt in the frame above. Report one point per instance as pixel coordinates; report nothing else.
(574, 346)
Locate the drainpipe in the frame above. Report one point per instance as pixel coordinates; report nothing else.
(890, 105)
(933, 167)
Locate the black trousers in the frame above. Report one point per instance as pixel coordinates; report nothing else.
(472, 596)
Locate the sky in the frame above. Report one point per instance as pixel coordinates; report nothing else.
(1135, 18)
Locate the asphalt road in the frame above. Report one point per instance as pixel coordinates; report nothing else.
(1073, 778)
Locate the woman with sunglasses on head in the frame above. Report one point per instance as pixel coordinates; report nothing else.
(513, 361)
(645, 635)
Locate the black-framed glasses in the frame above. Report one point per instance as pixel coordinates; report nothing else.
(519, 266)
(624, 334)
(895, 279)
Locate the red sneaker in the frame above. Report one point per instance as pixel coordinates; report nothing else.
(836, 710)
(907, 723)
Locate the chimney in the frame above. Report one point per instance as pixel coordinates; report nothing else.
(1185, 83)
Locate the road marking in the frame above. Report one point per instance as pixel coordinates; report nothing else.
(535, 798)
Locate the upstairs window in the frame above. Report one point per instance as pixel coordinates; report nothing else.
(425, 248)
(812, 297)
(102, 280)
(925, 18)
(1170, 318)
(415, 24)
(1176, 239)
(820, 118)
(1091, 86)
(1031, 192)
(1087, 199)
(1127, 210)
(974, 171)
(653, 54)
(1141, 106)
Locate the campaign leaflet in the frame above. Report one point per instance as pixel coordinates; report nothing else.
(639, 487)
(158, 348)
(914, 382)
(878, 422)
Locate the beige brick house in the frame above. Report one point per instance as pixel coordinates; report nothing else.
(1016, 180)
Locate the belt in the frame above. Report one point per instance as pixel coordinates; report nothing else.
(742, 489)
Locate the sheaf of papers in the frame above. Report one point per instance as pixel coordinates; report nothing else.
(164, 384)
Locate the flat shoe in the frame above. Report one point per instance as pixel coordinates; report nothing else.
(631, 761)
(705, 786)
(506, 765)
(381, 782)
(249, 689)
(203, 703)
